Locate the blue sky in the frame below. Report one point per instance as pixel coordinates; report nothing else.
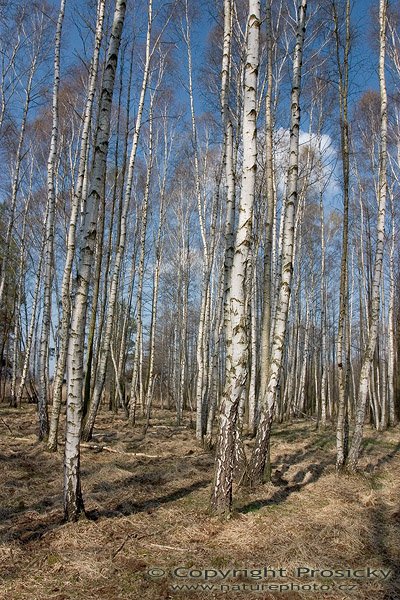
(364, 59)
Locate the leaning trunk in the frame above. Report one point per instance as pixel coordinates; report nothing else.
(73, 504)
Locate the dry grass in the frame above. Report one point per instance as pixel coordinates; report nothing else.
(153, 512)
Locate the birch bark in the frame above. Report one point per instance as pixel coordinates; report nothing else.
(265, 344)
(237, 361)
(391, 351)
(98, 388)
(258, 460)
(43, 363)
(71, 241)
(363, 387)
(73, 501)
(17, 304)
(342, 409)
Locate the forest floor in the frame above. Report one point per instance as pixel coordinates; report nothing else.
(147, 502)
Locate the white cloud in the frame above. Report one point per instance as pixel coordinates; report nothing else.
(323, 161)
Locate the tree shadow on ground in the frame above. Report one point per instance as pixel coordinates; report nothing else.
(383, 459)
(301, 479)
(287, 434)
(384, 535)
(36, 530)
(149, 479)
(9, 512)
(304, 476)
(33, 530)
(127, 507)
(285, 461)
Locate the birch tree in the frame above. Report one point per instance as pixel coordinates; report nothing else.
(43, 366)
(265, 346)
(71, 237)
(258, 459)
(342, 359)
(391, 333)
(201, 354)
(364, 382)
(237, 362)
(98, 388)
(159, 241)
(73, 501)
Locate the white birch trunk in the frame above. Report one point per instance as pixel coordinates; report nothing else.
(342, 408)
(219, 324)
(252, 404)
(324, 356)
(43, 362)
(363, 388)
(391, 340)
(71, 241)
(229, 167)
(265, 343)
(237, 361)
(17, 309)
(302, 381)
(31, 330)
(259, 456)
(100, 380)
(73, 502)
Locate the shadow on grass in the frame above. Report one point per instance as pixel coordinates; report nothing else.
(289, 435)
(8, 512)
(285, 461)
(128, 508)
(384, 535)
(32, 530)
(301, 479)
(150, 479)
(383, 459)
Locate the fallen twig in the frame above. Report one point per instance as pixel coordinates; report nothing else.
(169, 547)
(6, 424)
(136, 537)
(128, 537)
(115, 451)
(168, 427)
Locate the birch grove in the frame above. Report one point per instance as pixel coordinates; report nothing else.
(199, 226)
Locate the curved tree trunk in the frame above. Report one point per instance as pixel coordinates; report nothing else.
(73, 502)
(71, 241)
